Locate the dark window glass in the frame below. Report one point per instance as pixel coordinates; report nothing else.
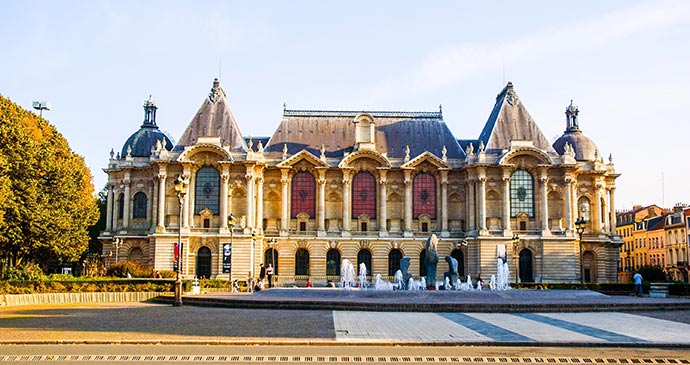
(526, 266)
(458, 255)
(424, 195)
(521, 193)
(364, 195)
(303, 194)
(139, 205)
(333, 262)
(302, 262)
(422, 265)
(302, 226)
(207, 194)
(364, 256)
(394, 258)
(121, 207)
(271, 257)
(203, 263)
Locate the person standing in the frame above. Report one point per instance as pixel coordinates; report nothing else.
(638, 284)
(262, 275)
(269, 274)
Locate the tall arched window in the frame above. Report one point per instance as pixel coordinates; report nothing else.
(207, 192)
(460, 257)
(136, 255)
(364, 195)
(271, 257)
(333, 262)
(303, 194)
(424, 195)
(583, 208)
(139, 205)
(521, 193)
(302, 262)
(394, 261)
(422, 264)
(203, 263)
(121, 206)
(364, 257)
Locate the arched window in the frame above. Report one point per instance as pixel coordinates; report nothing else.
(203, 263)
(303, 194)
(271, 257)
(424, 195)
(139, 205)
(394, 261)
(526, 270)
(207, 192)
(521, 193)
(364, 257)
(364, 195)
(422, 265)
(333, 262)
(136, 255)
(121, 206)
(583, 208)
(302, 262)
(458, 255)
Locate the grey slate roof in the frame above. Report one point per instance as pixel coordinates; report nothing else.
(309, 129)
(214, 118)
(509, 120)
(145, 138)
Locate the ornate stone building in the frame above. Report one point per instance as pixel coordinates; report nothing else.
(369, 187)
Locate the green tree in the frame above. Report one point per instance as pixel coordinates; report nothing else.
(95, 246)
(46, 194)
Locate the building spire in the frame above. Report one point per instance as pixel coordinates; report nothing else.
(150, 112)
(571, 118)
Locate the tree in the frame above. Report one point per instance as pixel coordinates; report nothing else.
(46, 193)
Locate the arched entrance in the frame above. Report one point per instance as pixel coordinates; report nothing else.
(526, 271)
(271, 257)
(589, 266)
(203, 263)
(458, 255)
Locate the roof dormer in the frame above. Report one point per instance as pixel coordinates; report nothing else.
(365, 129)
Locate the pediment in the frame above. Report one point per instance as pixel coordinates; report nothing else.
(302, 155)
(379, 158)
(426, 156)
(204, 151)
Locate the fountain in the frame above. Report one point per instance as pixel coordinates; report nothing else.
(380, 284)
(363, 284)
(502, 280)
(347, 275)
(451, 276)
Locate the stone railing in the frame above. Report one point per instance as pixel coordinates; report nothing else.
(70, 298)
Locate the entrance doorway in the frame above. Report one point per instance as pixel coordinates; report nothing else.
(526, 272)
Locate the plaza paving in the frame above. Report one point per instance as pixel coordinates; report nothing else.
(145, 323)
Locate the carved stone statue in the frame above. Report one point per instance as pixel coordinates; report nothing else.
(452, 273)
(404, 266)
(431, 261)
(470, 150)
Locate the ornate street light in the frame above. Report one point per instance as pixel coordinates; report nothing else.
(252, 252)
(272, 243)
(580, 225)
(516, 245)
(181, 190)
(231, 225)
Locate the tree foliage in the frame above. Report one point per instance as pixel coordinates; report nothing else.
(46, 194)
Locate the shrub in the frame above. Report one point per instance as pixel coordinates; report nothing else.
(121, 269)
(27, 271)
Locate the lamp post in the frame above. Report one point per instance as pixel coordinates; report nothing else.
(181, 190)
(231, 225)
(117, 242)
(41, 106)
(273, 242)
(252, 252)
(516, 245)
(580, 225)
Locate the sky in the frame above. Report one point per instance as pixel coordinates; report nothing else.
(624, 63)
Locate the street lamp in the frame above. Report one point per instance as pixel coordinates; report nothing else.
(273, 242)
(41, 106)
(117, 242)
(516, 245)
(181, 190)
(252, 252)
(580, 225)
(231, 224)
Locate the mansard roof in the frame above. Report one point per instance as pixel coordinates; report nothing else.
(510, 121)
(335, 130)
(214, 119)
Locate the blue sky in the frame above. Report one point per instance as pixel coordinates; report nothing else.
(625, 64)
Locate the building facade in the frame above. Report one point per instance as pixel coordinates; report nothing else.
(369, 187)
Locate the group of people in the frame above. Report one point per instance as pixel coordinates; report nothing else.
(265, 274)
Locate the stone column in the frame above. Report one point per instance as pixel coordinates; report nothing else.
(383, 213)
(259, 220)
(189, 197)
(612, 209)
(544, 181)
(150, 205)
(568, 205)
(596, 215)
(472, 226)
(444, 203)
(224, 179)
(482, 201)
(162, 176)
(321, 211)
(408, 204)
(507, 230)
(116, 207)
(109, 209)
(125, 217)
(347, 210)
(284, 200)
(249, 177)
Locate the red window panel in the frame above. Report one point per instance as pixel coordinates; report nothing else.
(364, 195)
(424, 195)
(303, 194)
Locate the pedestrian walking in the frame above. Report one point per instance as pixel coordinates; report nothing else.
(638, 284)
(269, 275)
(250, 282)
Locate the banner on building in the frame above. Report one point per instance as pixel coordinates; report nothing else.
(227, 257)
